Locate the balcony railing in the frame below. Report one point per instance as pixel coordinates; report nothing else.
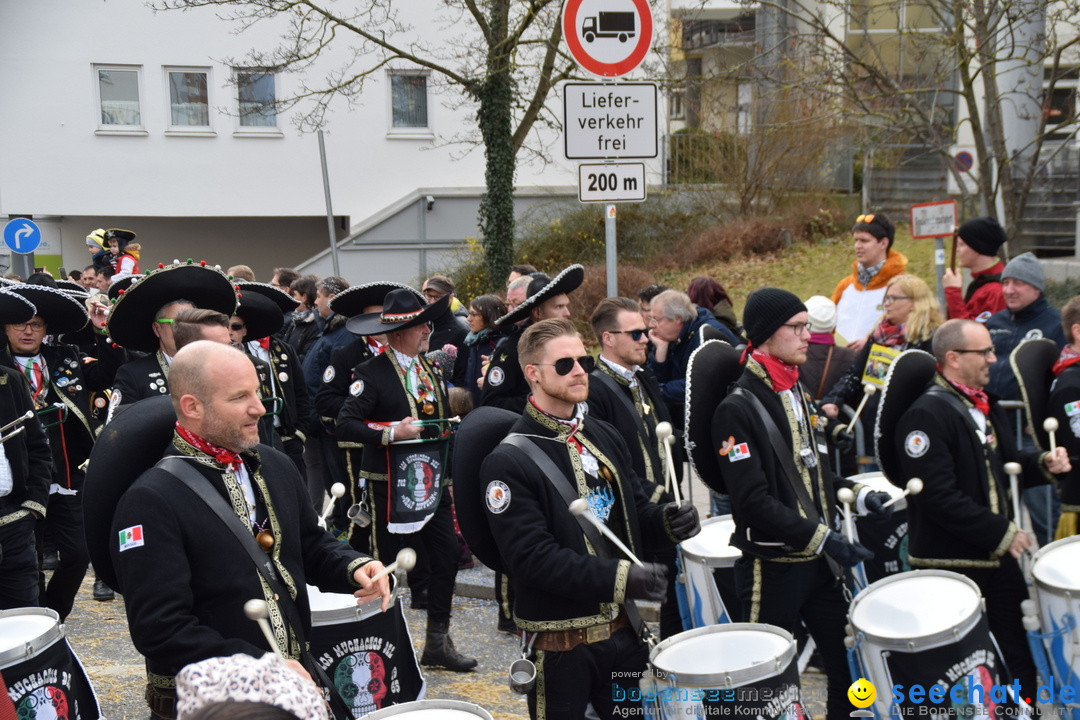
(701, 34)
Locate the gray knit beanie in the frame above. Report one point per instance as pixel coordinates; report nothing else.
(1026, 268)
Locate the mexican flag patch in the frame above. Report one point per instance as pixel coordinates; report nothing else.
(131, 537)
(739, 452)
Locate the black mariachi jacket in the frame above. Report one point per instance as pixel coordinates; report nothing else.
(770, 523)
(289, 377)
(559, 581)
(71, 380)
(28, 452)
(378, 395)
(963, 516)
(505, 385)
(1064, 404)
(185, 578)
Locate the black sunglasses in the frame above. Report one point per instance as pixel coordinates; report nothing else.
(635, 334)
(563, 366)
(237, 327)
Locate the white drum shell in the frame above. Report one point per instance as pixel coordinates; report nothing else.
(737, 654)
(25, 632)
(711, 546)
(432, 710)
(1056, 572)
(700, 555)
(337, 608)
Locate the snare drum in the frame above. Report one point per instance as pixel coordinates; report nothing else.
(888, 539)
(739, 669)
(928, 628)
(44, 679)
(433, 710)
(707, 582)
(1056, 571)
(367, 654)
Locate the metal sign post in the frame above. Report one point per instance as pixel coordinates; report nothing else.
(939, 221)
(611, 252)
(329, 209)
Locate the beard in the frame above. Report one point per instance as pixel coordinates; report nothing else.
(228, 436)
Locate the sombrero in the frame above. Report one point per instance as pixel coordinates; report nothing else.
(908, 376)
(132, 315)
(540, 289)
(352, 301)
(14, 308)
(402, 308)
(479, 434)
(62, 312)
(284, 301)
(1031, 362)
(70, 286)
(129, 445)
(119, 287)
(261, 315)
(710, 371)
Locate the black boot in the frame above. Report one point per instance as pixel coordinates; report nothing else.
(439, 649)
(102, 592)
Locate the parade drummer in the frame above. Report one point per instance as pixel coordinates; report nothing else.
(773, 462)
(184, 576)
(141, 320)
(61, 382)
(1064, 406)
(569, 595)
(398, 407)
(957, 439)
(25, 473)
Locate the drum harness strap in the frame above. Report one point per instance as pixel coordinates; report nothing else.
(790, 472)
(202, 489)
(569, 495)
(612, 386)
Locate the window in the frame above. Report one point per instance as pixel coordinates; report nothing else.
(118, 98)
(408, 102)
(256, 99)
(189, 99)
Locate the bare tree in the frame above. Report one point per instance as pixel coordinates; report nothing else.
(501, 56)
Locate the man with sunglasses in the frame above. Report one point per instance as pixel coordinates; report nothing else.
(769, 437)
(626, 395)
(956, 438)
(858, 296)
(568, 593)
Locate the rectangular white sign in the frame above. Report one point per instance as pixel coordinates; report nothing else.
(611, 182)
(609, 121)
(935, 219)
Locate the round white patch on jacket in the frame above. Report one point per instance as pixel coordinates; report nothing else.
(497, 496)
(916, 443)
(356, 388)
(496, 376)
(328, 374)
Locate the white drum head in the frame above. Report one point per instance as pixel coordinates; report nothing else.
(26, 631)
(916, 604)
(738, 653)
(432, 710)
(711, 545)
(334, 608)
(1058, 564)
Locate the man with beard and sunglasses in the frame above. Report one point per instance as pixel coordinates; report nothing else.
(572, 598)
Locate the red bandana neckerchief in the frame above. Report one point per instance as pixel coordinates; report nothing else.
(888, 334)
(225, 457)
(264, 343)
(979, 397)
(1068, 357)
(783, 376)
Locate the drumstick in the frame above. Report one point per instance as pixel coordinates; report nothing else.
(847, 496)
(17, 421)
(257, 610)
(868, 390)
(336, 491)
(1050, 425)
(666, 435)
(580, 507)
(406, 560)
(1014, 470)
(914, 487)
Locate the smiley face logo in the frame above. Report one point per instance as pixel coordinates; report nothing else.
(862, 693)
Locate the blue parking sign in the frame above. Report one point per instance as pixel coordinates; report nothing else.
(22, 236)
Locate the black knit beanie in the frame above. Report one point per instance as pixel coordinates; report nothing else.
(984, 235)
(766, 310)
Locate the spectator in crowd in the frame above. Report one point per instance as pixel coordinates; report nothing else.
(518, 271)
(305, 326)
(480, 342)
(645, 297)
(241, 272)
(858, 296)
(825, 360)
(708, 293)
(977, 243)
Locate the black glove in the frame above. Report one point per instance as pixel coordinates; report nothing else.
(840, 549)
(875, 502)
(682, 519)
(647, 583)
(843, 438)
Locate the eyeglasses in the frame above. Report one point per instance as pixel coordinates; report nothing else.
(635, 334)
(563, 366)
(432, 295)
(237, 327)
(893, 298)
(798, 328)
(985, 352)
(864, 219)
(35, 325)
(473, 313)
